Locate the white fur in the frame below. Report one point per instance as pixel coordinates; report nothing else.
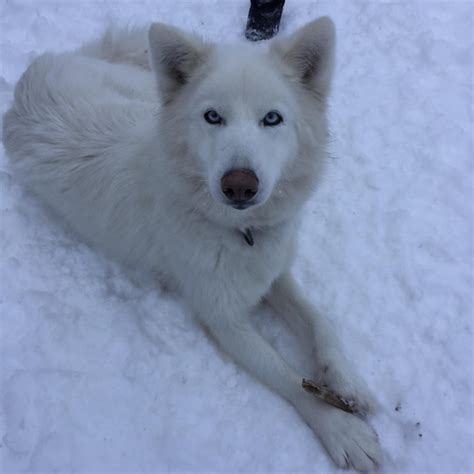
(120, 150)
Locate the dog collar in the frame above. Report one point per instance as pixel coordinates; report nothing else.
(247, 235)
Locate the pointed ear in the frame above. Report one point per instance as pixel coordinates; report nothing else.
(175, 56)
(310, 55)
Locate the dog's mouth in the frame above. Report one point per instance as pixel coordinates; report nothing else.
(241, 206)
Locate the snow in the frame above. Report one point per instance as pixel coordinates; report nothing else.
(102, 372)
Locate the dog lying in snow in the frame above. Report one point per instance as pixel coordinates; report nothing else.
(192, 160)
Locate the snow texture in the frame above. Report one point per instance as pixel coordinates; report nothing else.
(101, 372)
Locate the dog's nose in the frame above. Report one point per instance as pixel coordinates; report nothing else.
(239, 185)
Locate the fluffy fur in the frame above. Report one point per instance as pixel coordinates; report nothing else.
(112, 137)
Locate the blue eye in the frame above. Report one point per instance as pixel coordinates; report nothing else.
(212, 117)
(272, 118)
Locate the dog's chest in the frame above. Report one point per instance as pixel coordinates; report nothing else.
(259, 254)
(224, 260)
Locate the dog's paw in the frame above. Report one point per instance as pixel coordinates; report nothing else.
(350, 442)
(337, 373)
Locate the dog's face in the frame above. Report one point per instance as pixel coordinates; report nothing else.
(241, 109)
(243, 127)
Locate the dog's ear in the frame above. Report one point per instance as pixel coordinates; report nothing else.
(175, 55)
(310, 54)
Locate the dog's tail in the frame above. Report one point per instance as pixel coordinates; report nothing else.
(121, 45)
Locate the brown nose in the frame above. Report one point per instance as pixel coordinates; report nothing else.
(239, 185)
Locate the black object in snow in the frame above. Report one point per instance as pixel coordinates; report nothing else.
(264, 19)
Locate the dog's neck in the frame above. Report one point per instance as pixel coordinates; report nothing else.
(247, 235)
(250, 234)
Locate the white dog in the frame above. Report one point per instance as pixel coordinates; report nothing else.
(192, 161)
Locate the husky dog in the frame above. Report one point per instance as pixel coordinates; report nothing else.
(191, 161)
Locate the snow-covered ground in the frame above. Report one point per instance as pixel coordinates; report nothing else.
(100, 373)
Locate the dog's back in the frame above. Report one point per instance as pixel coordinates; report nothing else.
(76, 123)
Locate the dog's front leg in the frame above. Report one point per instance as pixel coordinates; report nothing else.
(333, 368)
(238, 338)
(348, 440)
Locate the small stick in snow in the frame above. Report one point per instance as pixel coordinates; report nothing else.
(324, 393)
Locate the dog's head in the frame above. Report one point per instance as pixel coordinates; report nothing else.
(246, 120)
